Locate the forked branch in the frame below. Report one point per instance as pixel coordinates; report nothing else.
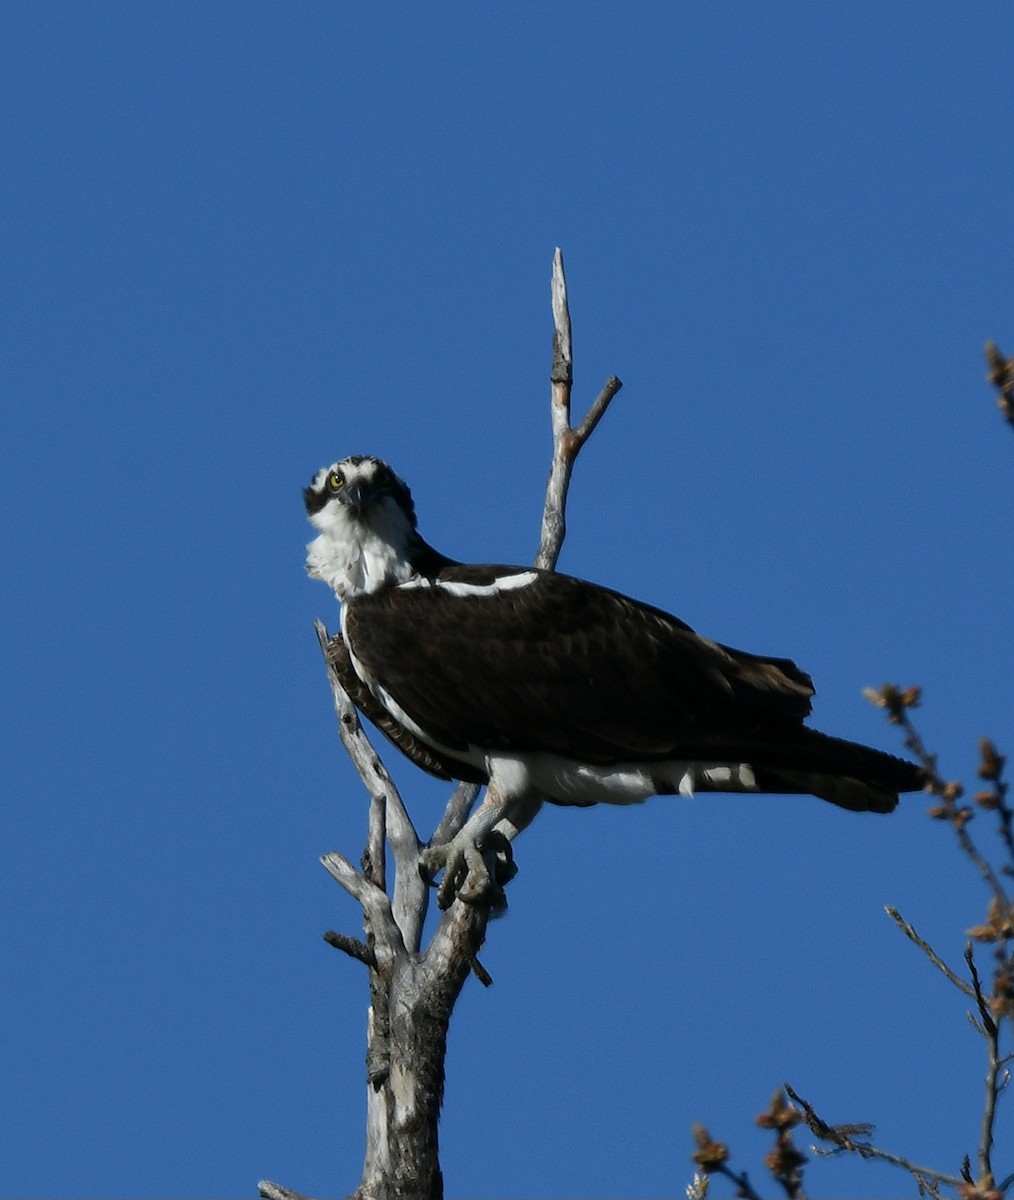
(567, 440)
(853, 1139)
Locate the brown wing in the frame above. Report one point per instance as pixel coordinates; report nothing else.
(563, 666)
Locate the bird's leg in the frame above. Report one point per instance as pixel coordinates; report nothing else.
(478, 860)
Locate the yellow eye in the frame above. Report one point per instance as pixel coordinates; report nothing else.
(335, 483)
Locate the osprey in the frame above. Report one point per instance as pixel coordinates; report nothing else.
(543, 686)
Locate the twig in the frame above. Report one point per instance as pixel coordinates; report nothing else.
(897, 703)
(928, 950)
(744, 1188)
(991, 1031)
(595, 414)
(375, 903)
(371, 770)
(843, 1138)
(990, 1009)
(353, 947)
(980, 999)
(480, 972)
(389, 817)
(364, 757)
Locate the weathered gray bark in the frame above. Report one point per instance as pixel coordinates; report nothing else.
(413, 991)
(409, 1018)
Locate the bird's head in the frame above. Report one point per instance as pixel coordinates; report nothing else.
(366, 524)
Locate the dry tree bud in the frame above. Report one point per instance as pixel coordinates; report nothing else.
(709, 1155)
(1001, 376)
(982, 1189)
(894, 699)
(780, 1114)
(1001, 1003)
(999, 925)
(991, 764)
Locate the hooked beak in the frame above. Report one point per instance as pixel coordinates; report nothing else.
(358, 495)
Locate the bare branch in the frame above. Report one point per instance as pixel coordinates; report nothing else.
(845, 1138)
(375, 903)
(596, 412)
(928, 950)
(374, 860)
(353, 947)
(567, 441)
(563, 355)
(897, 703)
(980, 999)
(371, 770)
(480, 972)
(994, 1071)
(358, 886)
(366, 760)
(388, 816)
(459, 806)
(744, 1188)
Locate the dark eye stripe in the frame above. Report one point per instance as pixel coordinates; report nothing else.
(314, 500)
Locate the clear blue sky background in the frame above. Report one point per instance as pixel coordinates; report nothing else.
(244, 239)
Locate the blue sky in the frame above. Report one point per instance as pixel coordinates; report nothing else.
(245, 239)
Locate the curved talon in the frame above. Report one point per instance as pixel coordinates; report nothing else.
(504, 867)
(472, 874)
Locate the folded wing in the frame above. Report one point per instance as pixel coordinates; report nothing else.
(476, 658)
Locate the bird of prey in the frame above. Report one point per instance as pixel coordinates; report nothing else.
(543, 686)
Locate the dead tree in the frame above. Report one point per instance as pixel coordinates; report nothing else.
(413, 988)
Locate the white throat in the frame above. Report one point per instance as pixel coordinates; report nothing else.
(355, 556)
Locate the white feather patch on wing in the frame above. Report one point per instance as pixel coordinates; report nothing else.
(505, 583)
